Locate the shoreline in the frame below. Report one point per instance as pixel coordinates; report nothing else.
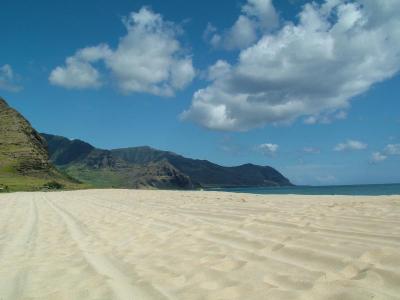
(222, 190)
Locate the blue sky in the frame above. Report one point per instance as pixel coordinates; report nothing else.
(311, 89)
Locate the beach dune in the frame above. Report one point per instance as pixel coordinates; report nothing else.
(134, 244)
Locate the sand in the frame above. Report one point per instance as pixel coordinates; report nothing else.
(121, 244)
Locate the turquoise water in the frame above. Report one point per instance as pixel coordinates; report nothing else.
(368, 189)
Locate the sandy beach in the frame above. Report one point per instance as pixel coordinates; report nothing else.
(122, 244)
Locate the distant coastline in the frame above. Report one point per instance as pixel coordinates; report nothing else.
(353, 190)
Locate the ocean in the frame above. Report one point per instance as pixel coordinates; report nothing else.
(361, 190)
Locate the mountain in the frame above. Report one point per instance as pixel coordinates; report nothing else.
(28, 161)
(203, 172)
(147, 167)
(24, 160)
(102, 168)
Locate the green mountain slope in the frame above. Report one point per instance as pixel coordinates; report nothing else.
(148, 167)
(102, 168)
(24, 161)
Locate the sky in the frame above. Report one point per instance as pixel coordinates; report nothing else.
(310, 88)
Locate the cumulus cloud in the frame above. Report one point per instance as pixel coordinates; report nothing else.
(78, 72)
(268, 149)
(264, 12)
(377, 157)
(257, 16)
(350, 145)
(312, 68)
(149, 58)
(220, 68)
(7, 79)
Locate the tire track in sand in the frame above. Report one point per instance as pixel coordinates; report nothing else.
(18, 249)
(118, 281)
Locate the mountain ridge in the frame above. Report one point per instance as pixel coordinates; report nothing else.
(130, 162)
(29, 161)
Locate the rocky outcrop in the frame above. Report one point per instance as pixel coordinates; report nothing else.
(21, 146)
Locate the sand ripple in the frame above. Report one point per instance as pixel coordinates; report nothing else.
(121, 244)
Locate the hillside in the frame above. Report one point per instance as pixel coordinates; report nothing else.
(148, 167)
(24, 161)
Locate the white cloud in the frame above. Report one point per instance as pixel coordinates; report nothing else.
(257, 16)
(242, 34)
(325, 118)
(220, 68)
(378, 157)
(336, 51)
(311, 120)
(93, 54)
(350, 145)
(7, 79)
(392, 149)
(264, 12)
(341, 115)
(389, 150)
(311, 150)
(75, 75)
(78, 73)
(149, 58)
(268, 149)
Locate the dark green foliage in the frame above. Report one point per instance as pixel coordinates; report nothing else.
(4, 188)
(53, 185)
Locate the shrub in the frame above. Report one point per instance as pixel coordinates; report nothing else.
(53, 185)
(4, 188)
